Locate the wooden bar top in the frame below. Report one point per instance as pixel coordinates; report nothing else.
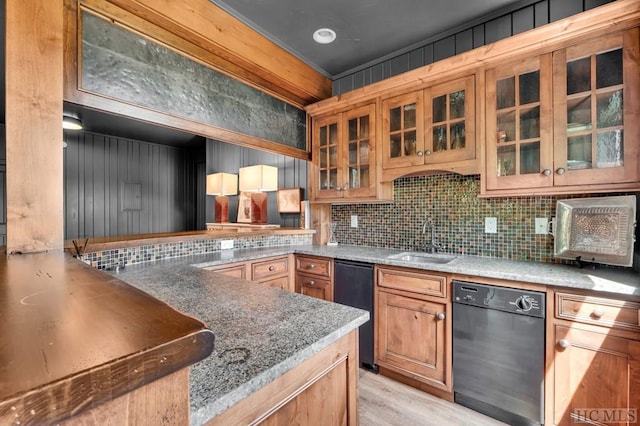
(72, 337)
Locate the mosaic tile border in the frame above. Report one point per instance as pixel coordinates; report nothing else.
(149, 253)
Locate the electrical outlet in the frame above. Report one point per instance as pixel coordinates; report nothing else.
(226, 244)
(491, 225)
(354, 220)
(542, 226)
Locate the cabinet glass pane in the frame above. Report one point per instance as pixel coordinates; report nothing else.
(323, 158)
(353, 153)
(394, 119)
(610, 149)
(530, 88)
(364, 151)
(333, 133)
(333, 156)
(354, 177)
(324, 140)
(609, 108)
(439, 108)
(579, 152)
(456, 100)
(579, 114)
(395, 143)
(457, 135)
(439, 138)
(333, 179)
(530, 123)
(506, 93)
(409, 115)
(324, 179)
(353, 129)
(506, 161)
(364, 126)
(530, 158)
(579, 76)
(410, 142)
(506, 127)
(364, 176)
(609, 68)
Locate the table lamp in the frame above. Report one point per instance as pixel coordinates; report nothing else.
(221, 185)
(257, 180)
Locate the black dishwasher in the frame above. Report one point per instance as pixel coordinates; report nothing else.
(353, 286)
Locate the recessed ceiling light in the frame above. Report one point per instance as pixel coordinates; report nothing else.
(324, 35)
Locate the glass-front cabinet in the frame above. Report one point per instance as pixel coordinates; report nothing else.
(566, 121)
(343, 154)
(519, 125)
(597, 111)
(430, 126)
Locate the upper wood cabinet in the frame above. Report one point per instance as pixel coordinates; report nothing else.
(566, 122)
(344, 165)
(429, 129)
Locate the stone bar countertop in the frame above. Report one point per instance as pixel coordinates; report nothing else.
(261, 332)
(73, 338)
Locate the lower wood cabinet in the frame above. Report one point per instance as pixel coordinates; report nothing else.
(272, 271)
(413, 329)
(314, 276)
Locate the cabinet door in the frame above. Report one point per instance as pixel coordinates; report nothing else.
(403, 131)
(594, 372)
(597, 105)
(327, 157)
(359, 143)
(519, 125)
(411, 338)
(450, 121)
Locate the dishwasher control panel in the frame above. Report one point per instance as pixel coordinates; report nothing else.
(506, 299)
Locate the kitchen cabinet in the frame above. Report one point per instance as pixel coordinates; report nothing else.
(596, 352)
(565, 122)
(344, 157)
(413, 327)
(314, 276)
(433, 128)
(274, 271)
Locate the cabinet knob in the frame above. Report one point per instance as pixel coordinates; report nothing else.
(427, 152)
(272, 268)
(564, 343)
(560, 170)
(597, 313)
(419, 153)
(441, 316)
(312, 282)
(546, 172)
(311, 266)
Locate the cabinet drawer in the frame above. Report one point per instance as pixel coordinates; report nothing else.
(314, 265)
(310, 285)
(415, 282)
(269, 268)
(279, 282)
(598, 311)
(238, 270)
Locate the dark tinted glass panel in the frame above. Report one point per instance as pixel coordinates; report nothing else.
(439, 108)
(506, 161)
(353, 129)
(530, 123)
(394, 119)
(457, 135)
(394, 145)
(333, 134)
(530, 87)
(609, 68)
(410, 142)
(579, 76)
(323, 136)
(409, 116)
(456, 99)
(506, 127)
(579, 152)
(364, 126)
(530, 158)
(440, 138)
(506, 93)
(353, 153)
(579, 113)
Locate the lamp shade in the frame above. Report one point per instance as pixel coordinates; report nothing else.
(222, 184)
(258, 178)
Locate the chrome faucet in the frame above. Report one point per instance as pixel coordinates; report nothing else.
(432, 246)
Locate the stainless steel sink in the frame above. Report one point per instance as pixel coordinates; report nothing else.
(420, 257)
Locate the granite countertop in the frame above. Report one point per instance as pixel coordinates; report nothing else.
(261, 332)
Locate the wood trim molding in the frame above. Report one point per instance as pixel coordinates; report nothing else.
(614, 16)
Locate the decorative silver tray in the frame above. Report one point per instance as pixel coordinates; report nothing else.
(597, 230)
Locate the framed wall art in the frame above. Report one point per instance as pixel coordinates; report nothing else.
(289, 200)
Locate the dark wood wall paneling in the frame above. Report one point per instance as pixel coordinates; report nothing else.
(115, 186)
(227, 158)
(531, 15)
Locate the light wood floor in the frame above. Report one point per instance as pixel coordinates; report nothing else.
(385, 402)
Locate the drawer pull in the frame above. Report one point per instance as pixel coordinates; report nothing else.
(311, 282)
(272, 268)
(442, 316)
(311, 266)
(564, 343)
(597, 313)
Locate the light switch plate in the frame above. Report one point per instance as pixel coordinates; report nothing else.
(354, 220)
(226, 244)
(541, 226)
(491, 225)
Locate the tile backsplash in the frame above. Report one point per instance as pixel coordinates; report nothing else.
(451, 203)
